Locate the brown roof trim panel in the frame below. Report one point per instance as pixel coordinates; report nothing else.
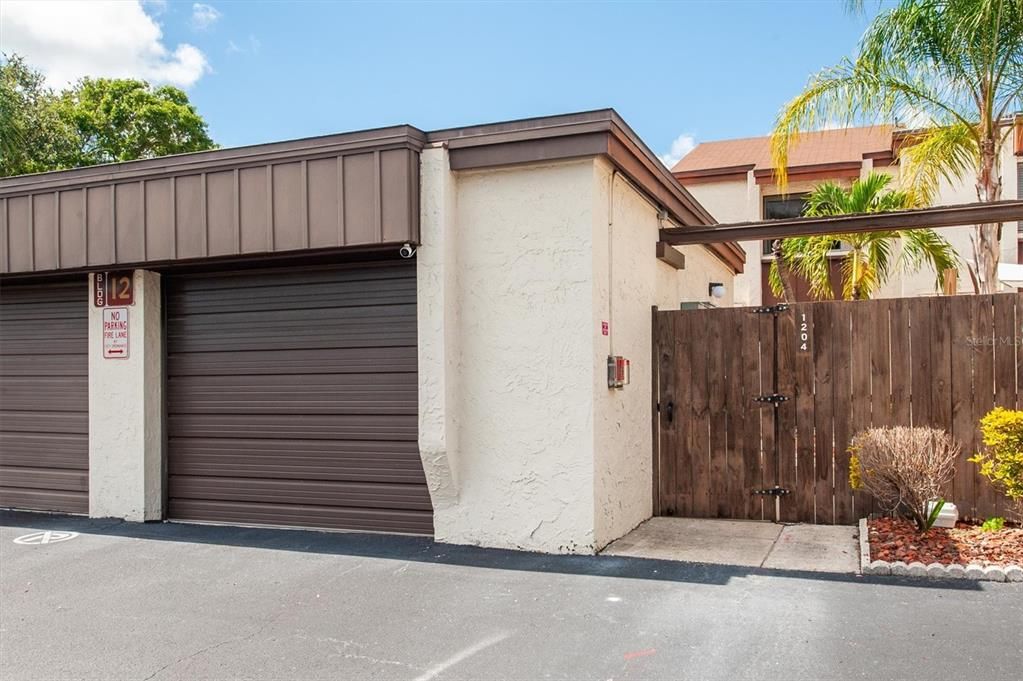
(340, 191)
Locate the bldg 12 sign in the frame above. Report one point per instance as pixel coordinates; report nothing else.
(115, 333)
(113, 289)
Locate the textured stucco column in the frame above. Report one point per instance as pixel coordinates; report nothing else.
(125, 411)
(436, 267)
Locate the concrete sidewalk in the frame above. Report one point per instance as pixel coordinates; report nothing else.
(749, 543)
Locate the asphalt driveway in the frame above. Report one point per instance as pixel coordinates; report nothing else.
(167, 601)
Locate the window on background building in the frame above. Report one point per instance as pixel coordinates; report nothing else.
(784, 208)
(781, 208)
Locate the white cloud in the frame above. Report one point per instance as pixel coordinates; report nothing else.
(204, 16)
(682, 145)
(156, 7)
(68, 40)
(250, 46)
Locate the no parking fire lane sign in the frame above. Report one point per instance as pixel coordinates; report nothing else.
(115, 332)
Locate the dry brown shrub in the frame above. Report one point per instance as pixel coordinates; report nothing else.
(904, 468)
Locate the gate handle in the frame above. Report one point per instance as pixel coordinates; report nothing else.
(671, 411)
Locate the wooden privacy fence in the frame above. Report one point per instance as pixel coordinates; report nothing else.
(844, 366)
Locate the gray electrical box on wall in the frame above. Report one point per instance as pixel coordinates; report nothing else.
(618, 372)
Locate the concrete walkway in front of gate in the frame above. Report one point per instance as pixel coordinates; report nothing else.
(750, 543)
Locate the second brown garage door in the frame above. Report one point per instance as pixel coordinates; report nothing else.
(292, 399)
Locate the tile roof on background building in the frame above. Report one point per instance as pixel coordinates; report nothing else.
(813, 148)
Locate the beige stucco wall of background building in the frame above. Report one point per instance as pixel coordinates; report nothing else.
(530, 449)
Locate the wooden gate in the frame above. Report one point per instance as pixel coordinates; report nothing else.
(844, 366)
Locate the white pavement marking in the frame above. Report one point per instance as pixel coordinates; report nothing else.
(46, 537)
(441, 667)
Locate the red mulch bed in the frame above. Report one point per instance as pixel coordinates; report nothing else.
(894, 539)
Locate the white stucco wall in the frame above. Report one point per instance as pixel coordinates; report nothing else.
(126, 411)
(524, 446)
(518, 355)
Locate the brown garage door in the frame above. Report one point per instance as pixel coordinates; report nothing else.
(292, 399)
(44, 397)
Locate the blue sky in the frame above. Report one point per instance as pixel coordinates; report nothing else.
(271, 71)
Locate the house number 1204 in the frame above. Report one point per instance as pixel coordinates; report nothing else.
(804, 333)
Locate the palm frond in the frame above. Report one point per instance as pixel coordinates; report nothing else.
(925, 247)
(948, 153)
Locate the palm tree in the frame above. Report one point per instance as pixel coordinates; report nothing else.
(871, 256)
(954, 65)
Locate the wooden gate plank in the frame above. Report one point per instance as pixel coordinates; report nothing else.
(803, 495)
(823, 342)
(668, 328)
(767, 434)
(863, 329)
(901, 359)
(698, 428)
(752, 442)
(1005, 325)
(920, 335)
(735, 408)
(984, 394)
(880, 365)
(717, 328)
(786, 349)
(940, 378)
(841, 381)
(655, 415)
(961, 312)
(683, 389)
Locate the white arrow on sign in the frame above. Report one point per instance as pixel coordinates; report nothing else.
(46, 537)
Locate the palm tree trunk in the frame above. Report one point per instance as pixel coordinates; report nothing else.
(783, 272)
(987, 238)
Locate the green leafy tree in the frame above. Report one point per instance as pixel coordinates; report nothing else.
(123, 120)
(94, 121)
(33, 137)
(870, 258)
(956, 63)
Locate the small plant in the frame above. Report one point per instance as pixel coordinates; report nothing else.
(933, 515)
(904, 469)
(993, 524)
(1001, 462)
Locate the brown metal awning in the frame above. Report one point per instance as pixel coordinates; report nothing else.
(938, 216)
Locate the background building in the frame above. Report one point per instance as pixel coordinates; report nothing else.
(734, 180)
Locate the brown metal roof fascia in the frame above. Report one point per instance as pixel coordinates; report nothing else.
(939, 216)
(815, 171)
(724, 174)
(400, 136)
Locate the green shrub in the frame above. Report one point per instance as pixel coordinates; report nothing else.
(1001, 462)
(993, 524)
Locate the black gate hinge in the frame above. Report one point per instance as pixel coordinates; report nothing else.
(771, 309)
(774, 398)
(773, 491)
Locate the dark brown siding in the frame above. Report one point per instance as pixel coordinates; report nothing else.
(357, 189)
(44, 397)
(292, 399)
